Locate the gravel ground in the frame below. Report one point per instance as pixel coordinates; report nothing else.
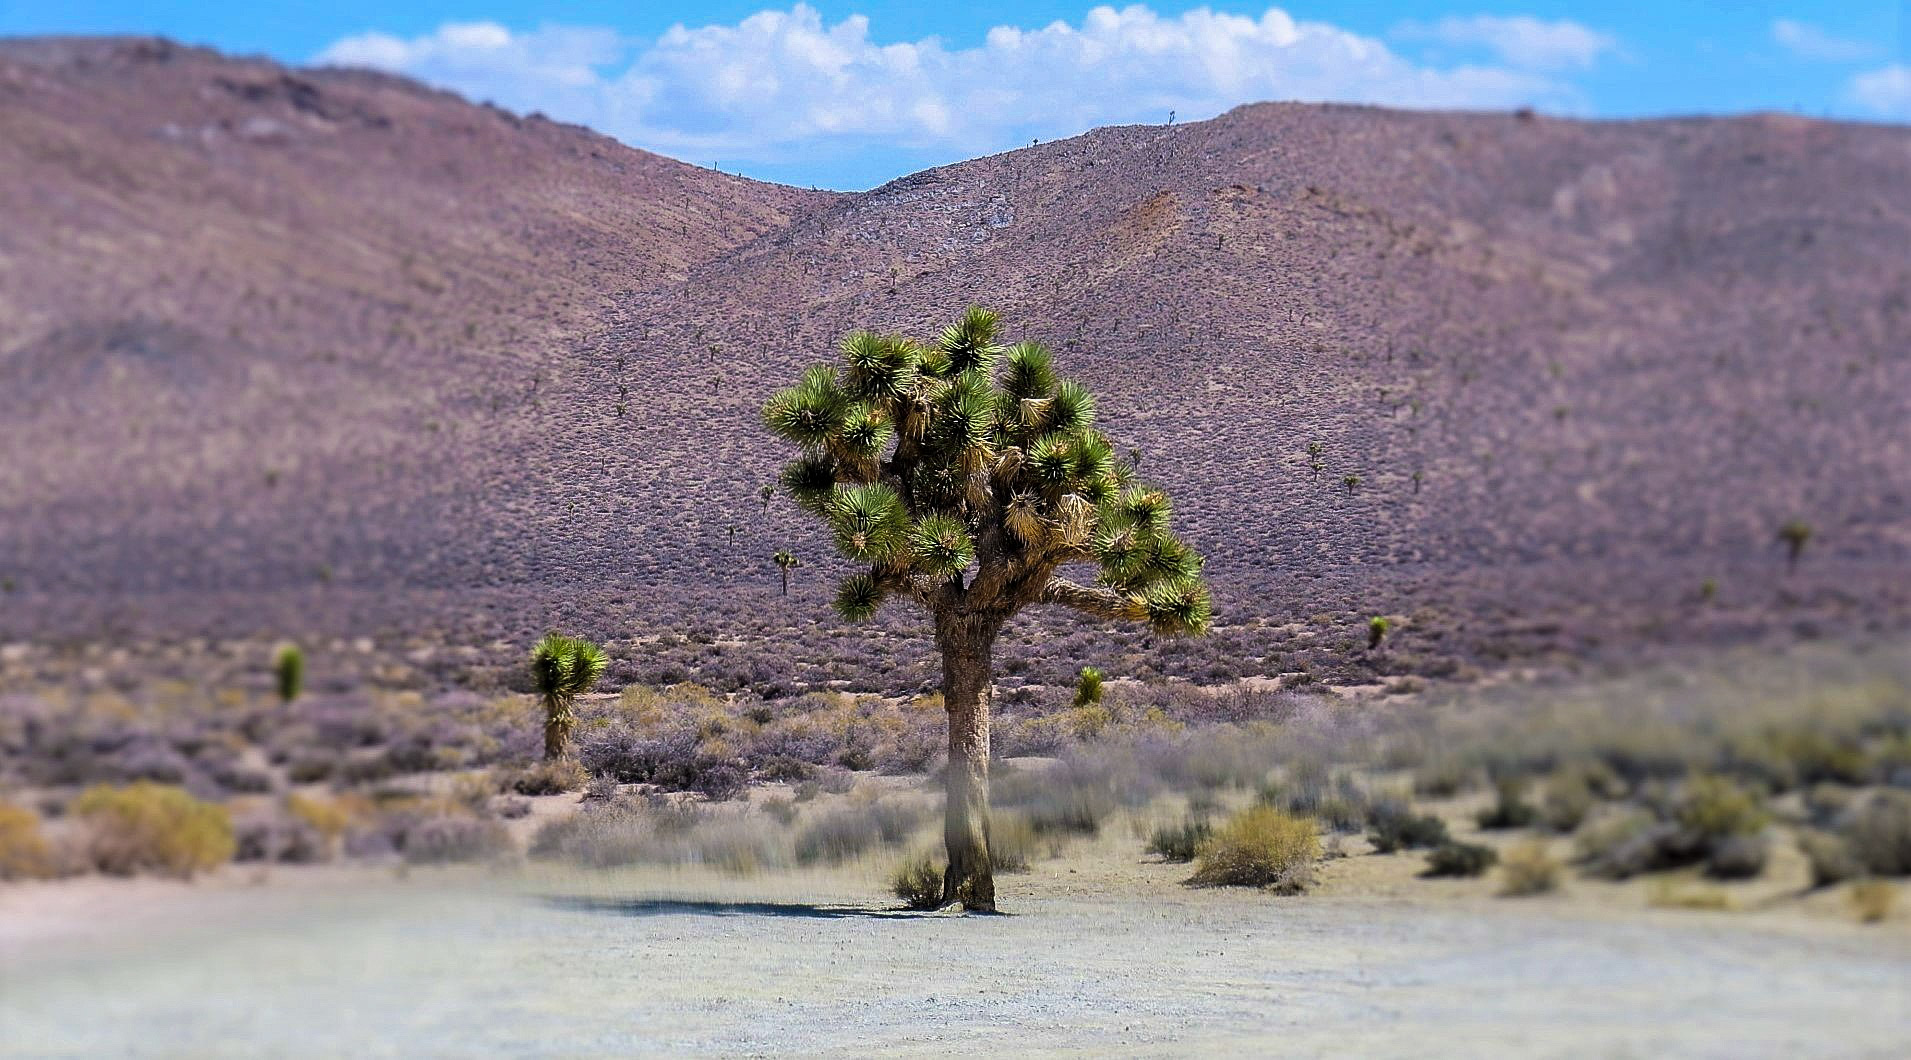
(689, 966)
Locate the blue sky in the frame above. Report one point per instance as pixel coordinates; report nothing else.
(848, 95)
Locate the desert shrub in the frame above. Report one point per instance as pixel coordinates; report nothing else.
(1258, 847)
(154, 827)
(1443, 777)
(844, 833)
(24, 851)
(1567, 800)
(1627, 845)
(549, 776)
(913, 751)
(1873, 900)
(440, 839)
(1665, 894)
(311, 768)
(918, 882)
(1394, 826)
(1737, 857)
(1072, 798)
(836, 781)
(1830, 857)
(1460, 859)
(512, 808)
(271, 835)
(1714, 808)
(807, 791)
(1826, 804)
(1510, 808)
(1527, 869)
(1013, 843)
(1879, 833)
(1179, 842)
(782, 811)
(1708, 819)
(601, 789)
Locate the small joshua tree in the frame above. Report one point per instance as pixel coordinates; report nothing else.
(963, 477)
(788, 562)
(563, 668)
(288, 672)
(1088, 687)
(1377, 628)
(1794, 535)
(764, 495)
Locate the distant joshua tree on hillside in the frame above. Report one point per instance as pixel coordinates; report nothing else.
(788, 562)
(965, 476)
(1794, 535)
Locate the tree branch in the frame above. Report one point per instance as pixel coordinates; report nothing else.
(1091, 600)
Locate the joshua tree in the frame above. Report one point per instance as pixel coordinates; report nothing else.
(563, 668)
(733, 535)
(1352, 482)
(787, 561)
(1795, 535)
(288, 670)
(765, 494)
(963, 477)
(1088, 687)
(1377, 628)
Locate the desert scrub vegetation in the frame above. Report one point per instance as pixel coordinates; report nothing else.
(1527, 869)
(1460, 859)
(917, 881)
(149, 827)
(1259, 847)
(962, 476)
(1179, 841)
(25, 853)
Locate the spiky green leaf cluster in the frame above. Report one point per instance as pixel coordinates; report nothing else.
(566, 667)
(965, 473)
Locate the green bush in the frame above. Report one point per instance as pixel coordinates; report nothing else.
(1258, 847)
(918, 882)
(154, 827)
(1460, 859)
(1179, 842)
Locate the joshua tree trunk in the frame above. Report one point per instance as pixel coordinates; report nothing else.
(966, 645)
(558, 719)
(786, 581)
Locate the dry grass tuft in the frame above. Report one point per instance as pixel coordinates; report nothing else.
(1258, 847)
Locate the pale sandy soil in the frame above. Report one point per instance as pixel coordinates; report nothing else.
(1104, 954)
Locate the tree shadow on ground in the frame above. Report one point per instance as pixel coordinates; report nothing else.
(712, 907)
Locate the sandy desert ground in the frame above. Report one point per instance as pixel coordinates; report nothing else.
(1103, 954)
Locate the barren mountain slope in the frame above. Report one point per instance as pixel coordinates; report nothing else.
(1577, 369)
(1601, 362)
(255, 320)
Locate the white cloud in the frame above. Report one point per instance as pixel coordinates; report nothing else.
(1809, 42)
(783, 85)
(1520, 41)
(1884, 92)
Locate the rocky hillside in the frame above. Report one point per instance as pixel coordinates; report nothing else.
(321, 348)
